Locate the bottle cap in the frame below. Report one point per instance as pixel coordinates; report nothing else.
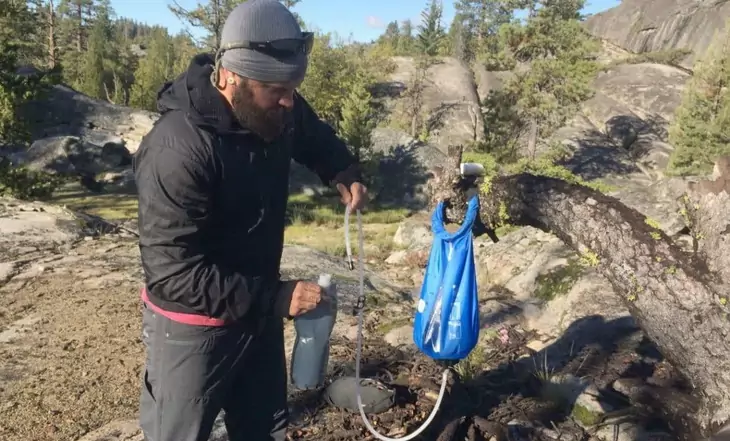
(325, 280)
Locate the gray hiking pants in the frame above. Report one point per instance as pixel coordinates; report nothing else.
(192, 372)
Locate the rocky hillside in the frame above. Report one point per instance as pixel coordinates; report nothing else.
(646, 26)
(553, 332)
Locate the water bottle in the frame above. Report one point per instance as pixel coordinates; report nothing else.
(312, 345)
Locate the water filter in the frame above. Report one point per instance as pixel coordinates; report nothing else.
(312, 345)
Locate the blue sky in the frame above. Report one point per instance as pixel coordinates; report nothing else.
(362, 19)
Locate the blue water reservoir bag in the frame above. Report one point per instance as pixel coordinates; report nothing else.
(446, 325)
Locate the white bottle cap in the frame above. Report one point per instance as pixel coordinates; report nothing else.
(471, 169)
(325, 280)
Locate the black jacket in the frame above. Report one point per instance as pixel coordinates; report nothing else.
(213, 195)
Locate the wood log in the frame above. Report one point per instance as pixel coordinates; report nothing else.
(681, 306)
(706, 209)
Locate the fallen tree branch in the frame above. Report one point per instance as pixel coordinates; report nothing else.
(680, 306)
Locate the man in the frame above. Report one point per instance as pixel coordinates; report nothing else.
(212, 177)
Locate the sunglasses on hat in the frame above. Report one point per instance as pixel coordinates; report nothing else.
(283, 47)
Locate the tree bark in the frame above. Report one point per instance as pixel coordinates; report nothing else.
(51, 23)
(705, 209)
(680, 306)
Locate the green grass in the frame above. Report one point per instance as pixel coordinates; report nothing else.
(112, 206)
(318, 222)
(329, 210)
(312, 221)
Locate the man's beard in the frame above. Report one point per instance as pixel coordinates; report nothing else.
(268, 124)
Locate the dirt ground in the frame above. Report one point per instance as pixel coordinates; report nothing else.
(72, 355)
(75, 360)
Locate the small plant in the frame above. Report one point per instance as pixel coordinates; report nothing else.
(473, 365)
(22, 183)
(542, 372)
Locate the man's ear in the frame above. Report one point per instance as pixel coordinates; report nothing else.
(225, 78)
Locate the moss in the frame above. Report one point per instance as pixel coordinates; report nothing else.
(656, 235)
(559, 281)
(384, 328)
(585, 416)
(503, 215)
(486, 187)
(635, 290)
(505, 230)
(590, 259)
(652, 223)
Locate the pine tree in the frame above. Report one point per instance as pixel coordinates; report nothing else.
(185, 50)
(390, 38)
(431, 32)
(16, 21)
(154, 69)
(406, 40)
(357, 119)
(701, 128)
(210, 16)
(480, 21)
(559, 53)
(460, 41)
(76, 16)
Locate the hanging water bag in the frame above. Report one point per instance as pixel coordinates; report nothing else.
(446, 325)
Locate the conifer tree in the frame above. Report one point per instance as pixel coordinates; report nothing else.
(701, 128)
(431, 31)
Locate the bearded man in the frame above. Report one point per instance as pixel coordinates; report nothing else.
(213, 177)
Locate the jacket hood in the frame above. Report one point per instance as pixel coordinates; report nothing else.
(193, 93)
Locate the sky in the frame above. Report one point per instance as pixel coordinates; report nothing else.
(361, 20)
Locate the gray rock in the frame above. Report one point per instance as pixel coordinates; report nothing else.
(413, 233)
(450, 100)
(397, 258)
(122, 430)
(402, 335)
(70, 154)
(36, 225)
(646, 26)
(66, 112)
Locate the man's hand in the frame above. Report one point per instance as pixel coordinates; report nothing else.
(355, 196)
(305, 297)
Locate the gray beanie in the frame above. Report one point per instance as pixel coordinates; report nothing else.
(260, 21)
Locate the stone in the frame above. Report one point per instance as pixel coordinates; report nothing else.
(402, 335)
(397, 258)
(621, 431)
(413, 233)
(648, 26)
(124, 430)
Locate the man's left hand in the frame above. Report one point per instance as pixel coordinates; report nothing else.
(355, 196)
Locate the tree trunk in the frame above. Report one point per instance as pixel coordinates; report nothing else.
(51, 23)
(79, 28)
(532, 139)
(679, 305)
(705, 209)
